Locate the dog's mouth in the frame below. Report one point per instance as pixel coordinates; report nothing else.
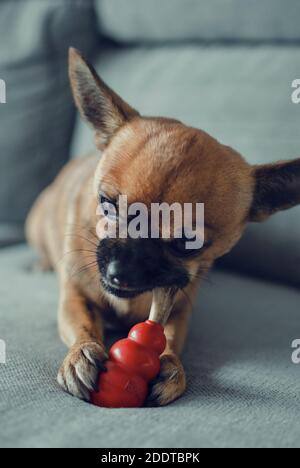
(123, 292)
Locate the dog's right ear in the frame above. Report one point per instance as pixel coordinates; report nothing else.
(276, 188)
(99, 105)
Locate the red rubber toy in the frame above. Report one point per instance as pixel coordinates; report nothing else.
(133, 363)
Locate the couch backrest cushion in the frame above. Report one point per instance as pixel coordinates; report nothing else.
(36, 121)
(168, 20)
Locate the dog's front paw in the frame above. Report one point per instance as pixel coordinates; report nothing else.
(170, 383)
(80, 370)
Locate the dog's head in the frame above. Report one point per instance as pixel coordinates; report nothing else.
(156, 160)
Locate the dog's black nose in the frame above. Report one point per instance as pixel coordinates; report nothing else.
(116, 274)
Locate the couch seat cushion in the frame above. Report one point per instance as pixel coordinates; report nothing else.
(243, 390)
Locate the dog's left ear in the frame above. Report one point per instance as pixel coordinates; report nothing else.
(98, 104)
(277, 187)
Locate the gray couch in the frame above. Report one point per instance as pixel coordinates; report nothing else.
(226, 67)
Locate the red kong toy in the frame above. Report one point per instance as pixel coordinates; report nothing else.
(133, 363)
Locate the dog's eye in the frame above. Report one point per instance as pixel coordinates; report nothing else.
(178, 247)
(109, 207)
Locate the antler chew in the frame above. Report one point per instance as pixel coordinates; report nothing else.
(162, 302)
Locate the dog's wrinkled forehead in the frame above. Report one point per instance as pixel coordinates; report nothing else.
(155, 160)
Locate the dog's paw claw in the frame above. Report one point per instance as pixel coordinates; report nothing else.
(170, 383)
(80, 370)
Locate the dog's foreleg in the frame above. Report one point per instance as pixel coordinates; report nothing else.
(82, 331)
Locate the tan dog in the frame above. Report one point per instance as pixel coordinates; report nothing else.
(149, 160)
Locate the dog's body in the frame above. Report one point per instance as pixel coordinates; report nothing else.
(149, 160)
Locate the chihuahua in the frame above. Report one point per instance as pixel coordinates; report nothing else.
(150, 160)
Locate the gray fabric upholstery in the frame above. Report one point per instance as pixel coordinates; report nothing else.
(168, 20)
(240, 95)
(243, 389)
(10, 234)
(37, 119)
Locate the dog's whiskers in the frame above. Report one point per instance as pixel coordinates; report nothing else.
(91, 254)
(81, 237)
(186, 296)
(83, 268)
(201, 276)
(86, 228)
